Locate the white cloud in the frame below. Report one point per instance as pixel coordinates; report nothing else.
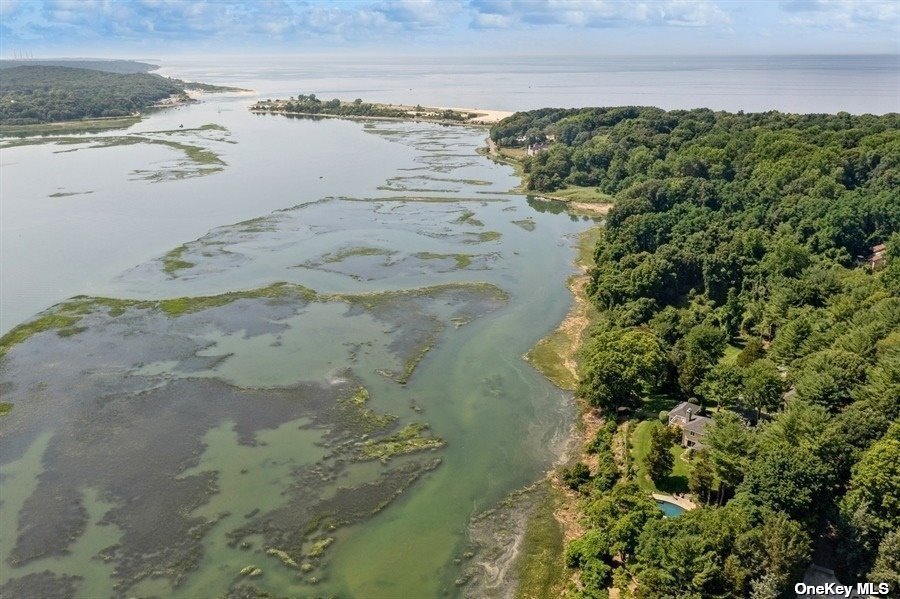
(419, 14)
(842, 14)
(266, 22)
(598, 13)
(7, 7)
(483, 20)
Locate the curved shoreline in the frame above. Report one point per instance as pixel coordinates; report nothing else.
(482, 118)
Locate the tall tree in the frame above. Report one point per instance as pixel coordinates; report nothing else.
(620, 367)
(790, 479)
(829, 377)
(887, 562)
(775, 552)
(659, 459)
(721, 386)
(623, 513)
(696, 354)
(871, 508)
(763, 386)
(730, 445)
(701, 477)
(753, 351)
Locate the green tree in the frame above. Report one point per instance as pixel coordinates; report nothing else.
(730, 445)
(607, 471)
(775, 552)
(721, 386)
(701, 476)
(790, 479)
(591, 554)
(696, 354)
(620, 367)
(658, 459)
(721, 552)
(623, 513)
(891, 274)
(848, 434)
(786, 257)
(763, 386)
(801, 423)
(871, 508)
(686, 556)
(829, 377)
(576, 475)
(887, 562)
(751, 352)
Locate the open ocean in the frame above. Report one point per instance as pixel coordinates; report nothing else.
(853, 83)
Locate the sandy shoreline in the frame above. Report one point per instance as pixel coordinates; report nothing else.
(484, 116)
(431, 114)
(487, 117)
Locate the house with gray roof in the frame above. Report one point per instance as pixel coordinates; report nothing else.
(686, 416)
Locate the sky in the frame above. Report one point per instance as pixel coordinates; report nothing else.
(160, 28)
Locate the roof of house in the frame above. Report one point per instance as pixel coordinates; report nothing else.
(879, 248)
(697, 424)
(682, 408)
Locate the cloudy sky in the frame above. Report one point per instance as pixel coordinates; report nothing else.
(143, 28)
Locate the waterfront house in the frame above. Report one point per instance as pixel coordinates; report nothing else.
(534, 149)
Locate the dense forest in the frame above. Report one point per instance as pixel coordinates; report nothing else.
(108, 65)
(42, 94)
(37, 94)
(737, 269)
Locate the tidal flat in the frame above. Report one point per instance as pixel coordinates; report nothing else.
(196, 146)
(313, 398)
(121, 414)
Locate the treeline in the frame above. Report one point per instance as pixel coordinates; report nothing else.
(110, 66)
(38, 94)
(310, 104)
(752, 231)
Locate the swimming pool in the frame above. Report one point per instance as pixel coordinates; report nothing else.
(669, 509)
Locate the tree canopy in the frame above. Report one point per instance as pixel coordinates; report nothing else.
(736, 269)
(37, 94)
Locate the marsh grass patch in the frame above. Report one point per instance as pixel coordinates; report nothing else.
(198, 159)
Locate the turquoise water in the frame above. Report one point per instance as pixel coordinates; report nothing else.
(669, 509)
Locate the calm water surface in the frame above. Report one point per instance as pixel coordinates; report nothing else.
(856, 84)
(343, 208)
(415, 198)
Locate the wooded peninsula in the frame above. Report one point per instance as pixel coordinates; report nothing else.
(36, 93)
(743, 352)
(310, 105)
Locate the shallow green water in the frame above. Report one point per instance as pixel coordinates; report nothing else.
(187, 448)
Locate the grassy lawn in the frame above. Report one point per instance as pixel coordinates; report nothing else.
(731, 354)
(654, 404)
(513, 153)
(577, 193)
(640, 445)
